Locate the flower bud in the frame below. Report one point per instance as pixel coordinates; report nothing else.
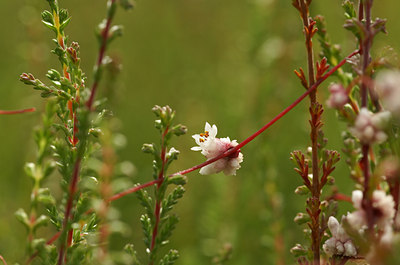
(53, 75)
(148, 148)
(179, 130)
(302, 190)
(301, 218)
(298, 250)
(178, 180)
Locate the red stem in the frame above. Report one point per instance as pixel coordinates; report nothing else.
(68, 209)
(8, 112)
(3, 260)
(102, 51)
(157, 209)
(247, 140)
(366, 45)
(132, 190)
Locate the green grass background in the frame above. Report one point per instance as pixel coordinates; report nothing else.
(228, 62)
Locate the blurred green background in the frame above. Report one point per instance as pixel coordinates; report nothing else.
(226, 62)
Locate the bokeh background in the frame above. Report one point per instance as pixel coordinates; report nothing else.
(228, 62)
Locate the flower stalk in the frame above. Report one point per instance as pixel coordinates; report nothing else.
(366, 43)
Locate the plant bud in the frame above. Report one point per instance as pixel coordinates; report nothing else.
(302, 190)
(148, 148)
(298, 250)
(301, 218)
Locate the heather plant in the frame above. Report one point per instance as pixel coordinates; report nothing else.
(78, 141)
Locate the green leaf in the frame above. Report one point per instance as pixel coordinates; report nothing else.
(22, 216)
(50, 26)
(167, 226)
(126, 4)
(170, 258)
(63, 15)
(45, 197)
(177, 180)
(41, 221)
(47, 17)
(111, 8)
(129, 248)
(298, 251)
(115, 32)
(148, 148)
(147, 229)
(171, 200)
(30, 170)
(64, 24)
(356, 27)
(349, 10)
(146, 201)
(55, 217)
(179, 130)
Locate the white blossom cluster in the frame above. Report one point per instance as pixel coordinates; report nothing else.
(383, 209)
(211, 147)
(388, 89)
(340, 243)
(369, 127)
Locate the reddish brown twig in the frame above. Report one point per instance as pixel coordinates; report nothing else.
(132, 190)
(3, 260)
(157, 209)
(8, 112)
(103, 47)
(365, 44)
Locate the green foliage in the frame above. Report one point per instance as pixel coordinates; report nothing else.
(170, 258)
(157, 223)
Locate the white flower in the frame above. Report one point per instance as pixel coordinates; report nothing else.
(388, 88)
(368, 127)
(383, 210)
(211, 147)
(340, 243)
(338, 97)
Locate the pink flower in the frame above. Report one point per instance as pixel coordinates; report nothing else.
(340, 243)
(383, 209)
(388, 88)
(338, 97)
(368, 127)
(211, 147)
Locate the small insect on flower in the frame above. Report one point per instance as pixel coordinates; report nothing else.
(211, 147)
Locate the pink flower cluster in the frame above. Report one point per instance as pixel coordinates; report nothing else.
(338, 97)
(211, 147)
(340, 243)
(383, 208)
(369, 127)
(388, 88)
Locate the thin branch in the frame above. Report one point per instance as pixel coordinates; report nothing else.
(8, 112)
(157, 209)
(72, 190)
(103, 47)
(132, 190)
(366, 46)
